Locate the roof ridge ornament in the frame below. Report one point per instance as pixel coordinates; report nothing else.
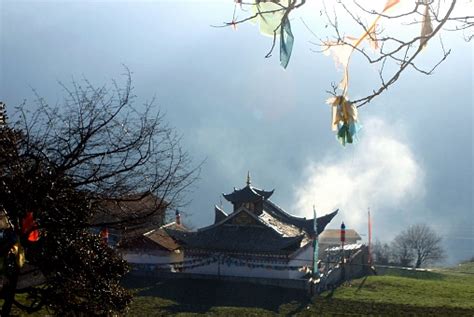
(248, 178)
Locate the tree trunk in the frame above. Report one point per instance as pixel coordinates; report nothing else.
(418, 262)
(9, 290)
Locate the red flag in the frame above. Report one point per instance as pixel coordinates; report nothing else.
(27, 225)
(104, 234)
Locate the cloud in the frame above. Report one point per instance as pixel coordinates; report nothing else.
(382, 174)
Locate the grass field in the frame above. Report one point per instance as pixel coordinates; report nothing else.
(442, 292)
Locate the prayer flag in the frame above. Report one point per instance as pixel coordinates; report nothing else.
(27, 226)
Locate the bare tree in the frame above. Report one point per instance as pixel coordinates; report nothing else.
(418, 243)
(58, 164)
(401, 251)
(392, 51)
(382, 253)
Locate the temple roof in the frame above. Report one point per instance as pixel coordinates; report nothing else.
(278, 215)
(238, 239)
(219, 214)
(302, 223)
(247, 194)
(131, 210)
(272, 231)
(283, 228)
(268, 229)
(153, 240)
(162, 238)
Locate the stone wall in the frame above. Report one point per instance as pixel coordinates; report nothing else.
(301, 284)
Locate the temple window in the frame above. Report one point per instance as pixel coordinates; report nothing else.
(249, 206)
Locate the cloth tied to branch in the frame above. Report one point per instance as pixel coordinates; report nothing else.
(269, 15)
(286, 43)
(342, 51)
(273, 22)
(427, 26)
(28, 225)
(344, 119)
(19, 252)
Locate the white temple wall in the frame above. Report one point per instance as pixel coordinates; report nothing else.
(152, 257)
(253, 272)
(224, 269)
(210, 269)
(303, 257)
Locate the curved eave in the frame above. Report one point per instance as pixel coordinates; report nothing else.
(247, 194)
(219, 214)
(265, 194)
(237, 240)
(322, 222)
(303, 223)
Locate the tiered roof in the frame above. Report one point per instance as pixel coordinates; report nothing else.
(237, 239)
(271, 230)
(247, 194)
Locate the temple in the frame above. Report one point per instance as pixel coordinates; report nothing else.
(256, 239)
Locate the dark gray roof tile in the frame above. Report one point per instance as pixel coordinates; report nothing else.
(247, 194)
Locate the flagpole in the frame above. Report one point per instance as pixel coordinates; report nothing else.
(315, 245)
(315, 271)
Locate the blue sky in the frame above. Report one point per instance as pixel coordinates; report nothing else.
(241, 112)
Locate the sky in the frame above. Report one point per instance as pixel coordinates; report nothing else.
(241, 112)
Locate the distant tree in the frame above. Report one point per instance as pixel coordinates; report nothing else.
(382, 252)
(401, 251)
(56, 165)
(419, 244)
(469, 260)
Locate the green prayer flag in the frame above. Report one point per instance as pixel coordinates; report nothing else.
(315, 245)
(286, 43)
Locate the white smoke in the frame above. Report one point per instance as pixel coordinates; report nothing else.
(381, 173)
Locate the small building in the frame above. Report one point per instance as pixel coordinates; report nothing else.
(332, 238)
(147, 251)
(128, 216)
(257, 239)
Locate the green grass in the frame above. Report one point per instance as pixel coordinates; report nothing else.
(466, 268)
(447, 290)
(399, 290)
(442, 292)
(190, 297)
